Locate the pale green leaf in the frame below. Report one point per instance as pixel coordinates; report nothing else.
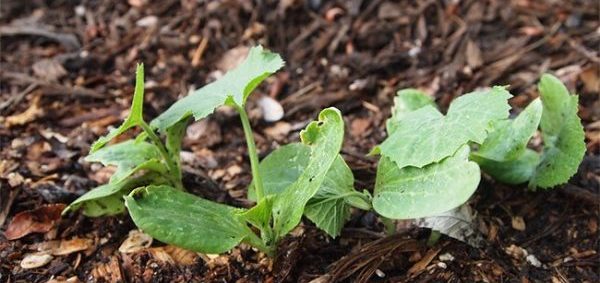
(260, 217)
(426, 136)
(135, 114)
(514, 171)
(329, 209)
(509, 138)
(236, 85)
(129, 157)
(185, 220)
(324, 137)
(106, 206)
(102, 200)
(563, 134)
(406, 101)
(412, 192)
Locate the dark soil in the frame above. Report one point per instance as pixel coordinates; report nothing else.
(67, 72)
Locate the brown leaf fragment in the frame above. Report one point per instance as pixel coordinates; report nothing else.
(39, 220)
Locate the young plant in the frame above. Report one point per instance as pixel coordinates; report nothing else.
(430, 163)
(307, 178)
(504, 154)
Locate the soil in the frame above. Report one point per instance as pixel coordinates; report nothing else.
(67, 72)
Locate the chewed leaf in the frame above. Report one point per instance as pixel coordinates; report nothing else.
(406, 101)
(186, 220)
(426, 136)
(563, 135)
(509, 138)
(235, 85)
(411, 192)
(514, 171)
(135, 114)
(129, 157)
(325, 140)
(329, 209)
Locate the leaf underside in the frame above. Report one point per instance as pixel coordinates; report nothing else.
(412, 192)
(129, 157)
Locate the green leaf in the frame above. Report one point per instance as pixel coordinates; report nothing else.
(135, 114)
(329, 209)
(235, 86)
(185, 220)
(324, 137)
(411, 192)
(259, 216)
(406, 101)
(107, 199)
(509, 138)
(106, 206)
(514, 171)
(563, 134)
(129, 157)
(426, 136)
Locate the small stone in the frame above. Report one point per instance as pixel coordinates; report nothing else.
(533, 261)
(271, 109)
(446, 257)
(148, 21)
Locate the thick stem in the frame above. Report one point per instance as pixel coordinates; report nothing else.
(252, 154)
(172, 165)
(390, 226)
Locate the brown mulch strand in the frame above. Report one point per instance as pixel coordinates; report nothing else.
(66, 76)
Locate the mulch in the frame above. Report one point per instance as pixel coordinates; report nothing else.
(67, 73)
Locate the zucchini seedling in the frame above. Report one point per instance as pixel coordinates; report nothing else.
(307, 178)
(430, 163)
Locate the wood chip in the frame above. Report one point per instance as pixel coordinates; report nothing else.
(136, 241)
(74, 245)
(518, 223)
(181, 256)
(33, 112)
(36, 260)
(422, 264)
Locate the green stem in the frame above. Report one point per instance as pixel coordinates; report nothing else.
(390, 226)
(252, 154)
(255, 241)
(171, 164)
